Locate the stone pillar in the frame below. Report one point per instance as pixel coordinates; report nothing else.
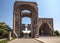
(10, 35)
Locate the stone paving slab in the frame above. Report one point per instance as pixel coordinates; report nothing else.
(49, 39)
(24, 40)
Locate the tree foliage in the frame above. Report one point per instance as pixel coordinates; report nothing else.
(3, 29)
(57, 33)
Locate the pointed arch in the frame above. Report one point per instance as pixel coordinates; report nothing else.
(45, 29)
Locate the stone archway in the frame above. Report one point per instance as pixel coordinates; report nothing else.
(17, 26)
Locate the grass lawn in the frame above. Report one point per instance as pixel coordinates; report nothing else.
(5, 41)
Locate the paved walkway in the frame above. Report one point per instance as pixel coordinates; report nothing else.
(24, 40)
(49, 39)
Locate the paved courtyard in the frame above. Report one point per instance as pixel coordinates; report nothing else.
(24, 40)
(49, 39)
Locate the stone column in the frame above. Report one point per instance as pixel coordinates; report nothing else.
(10, 35)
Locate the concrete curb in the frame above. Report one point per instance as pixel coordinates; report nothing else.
(3, 39)
(39, 41)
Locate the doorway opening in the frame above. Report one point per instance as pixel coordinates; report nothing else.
(44, 30)
(26, 27)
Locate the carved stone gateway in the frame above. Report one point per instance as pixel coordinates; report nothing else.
(38, 26)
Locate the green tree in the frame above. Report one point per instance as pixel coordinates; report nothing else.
(3, 29)
(57, 33)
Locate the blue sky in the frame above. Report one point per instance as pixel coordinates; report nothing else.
(46, 9)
